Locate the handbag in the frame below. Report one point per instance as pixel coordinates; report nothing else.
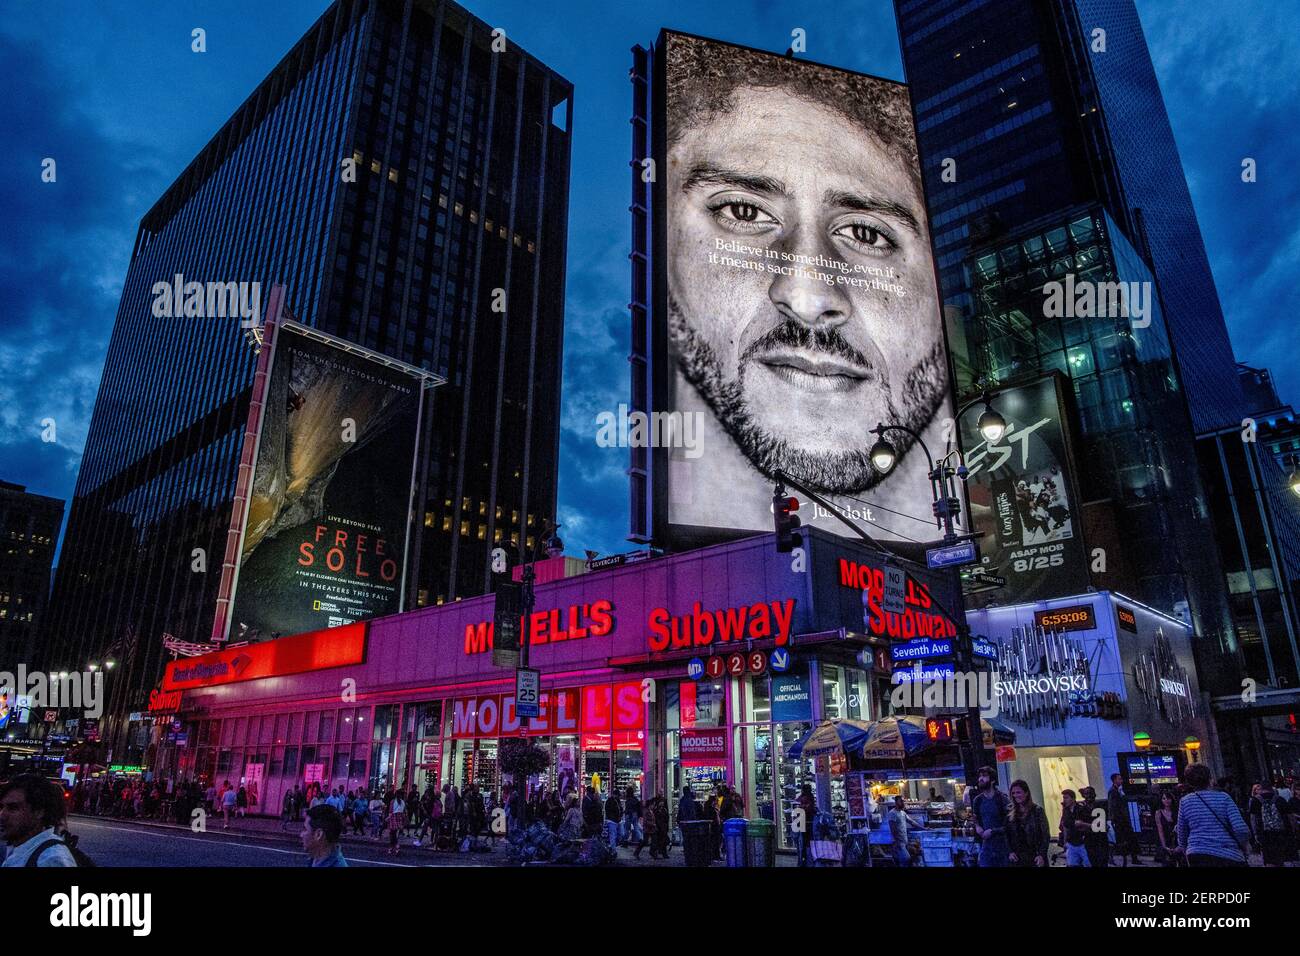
(826, 850)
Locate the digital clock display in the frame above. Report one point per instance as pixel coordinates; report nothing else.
(1077, 618)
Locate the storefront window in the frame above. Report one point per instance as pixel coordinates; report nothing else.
(844, 692)
(695, 704)
(791, 773)
(384, 741)
(425, 725)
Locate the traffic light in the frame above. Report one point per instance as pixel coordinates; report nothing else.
(939, 728)
(786, 523)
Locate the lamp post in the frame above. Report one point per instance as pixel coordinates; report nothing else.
(1293, 480)
(554, 546)
(947, 508)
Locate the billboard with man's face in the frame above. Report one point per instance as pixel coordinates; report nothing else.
(798, 292)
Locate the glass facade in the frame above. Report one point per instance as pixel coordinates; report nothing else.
(1135, 449)
(1048, 135)
(1035, 117)
(1257, 522)
(409, 189)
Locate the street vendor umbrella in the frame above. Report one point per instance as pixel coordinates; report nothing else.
(996, 732)
(831, 737)
(895, 738)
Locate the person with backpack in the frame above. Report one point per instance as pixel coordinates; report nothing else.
(432, 825)
(360, 811)
(1211, 831)
(1270, 825)
(990, 809)
(633, 833)
(31, 810)
(613, 818)
(229, 801)
(1096, 841)
(592, 817)
(1075, 822)
(396, 820)
(286, 810)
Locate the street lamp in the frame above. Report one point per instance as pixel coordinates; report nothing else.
(883, 456)
(947, 507)
(991, 424)
(1293, 482)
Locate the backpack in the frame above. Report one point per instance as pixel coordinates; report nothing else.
(1271, 818)
(79, 856)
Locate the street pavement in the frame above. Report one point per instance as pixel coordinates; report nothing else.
(261, 842)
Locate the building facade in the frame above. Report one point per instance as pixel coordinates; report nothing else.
(29, 529)
(407, 184)
(622, 704)
(1049, 160)
(1041, 106)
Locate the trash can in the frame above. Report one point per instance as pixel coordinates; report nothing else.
(695, 842)
(733, 841)
(760, 843)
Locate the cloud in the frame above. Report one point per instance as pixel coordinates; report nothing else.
(1231, 94)
(63, 254)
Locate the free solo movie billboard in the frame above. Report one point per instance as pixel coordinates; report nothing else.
(326, 533)
(795, 295)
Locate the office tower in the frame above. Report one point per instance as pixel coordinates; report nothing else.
(1247, 473)
(407, 184)
(1047, 159)
(29, 528)
(1047, 104)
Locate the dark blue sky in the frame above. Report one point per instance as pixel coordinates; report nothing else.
(112, 91)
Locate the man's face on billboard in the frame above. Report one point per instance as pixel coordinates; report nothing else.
(827, 321)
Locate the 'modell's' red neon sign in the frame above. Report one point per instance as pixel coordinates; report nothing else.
(699, 628)
(916, 621)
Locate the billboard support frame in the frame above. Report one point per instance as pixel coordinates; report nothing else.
(279, 318)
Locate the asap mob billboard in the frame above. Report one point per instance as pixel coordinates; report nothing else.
(325, 538)
(1023, 499)
(795, 291)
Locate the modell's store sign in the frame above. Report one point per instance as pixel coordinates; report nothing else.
(920, 617)
(703, 748)
(597, 709)
(665, 631)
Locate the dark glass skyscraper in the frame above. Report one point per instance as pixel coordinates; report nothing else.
(1048, 104)
(1047, 153)
(404, 175)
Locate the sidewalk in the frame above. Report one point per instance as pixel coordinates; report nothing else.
(272, 830)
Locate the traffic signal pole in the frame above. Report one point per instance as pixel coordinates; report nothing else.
(946, 507)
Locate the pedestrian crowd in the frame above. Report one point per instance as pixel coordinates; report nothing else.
(1197, 824)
